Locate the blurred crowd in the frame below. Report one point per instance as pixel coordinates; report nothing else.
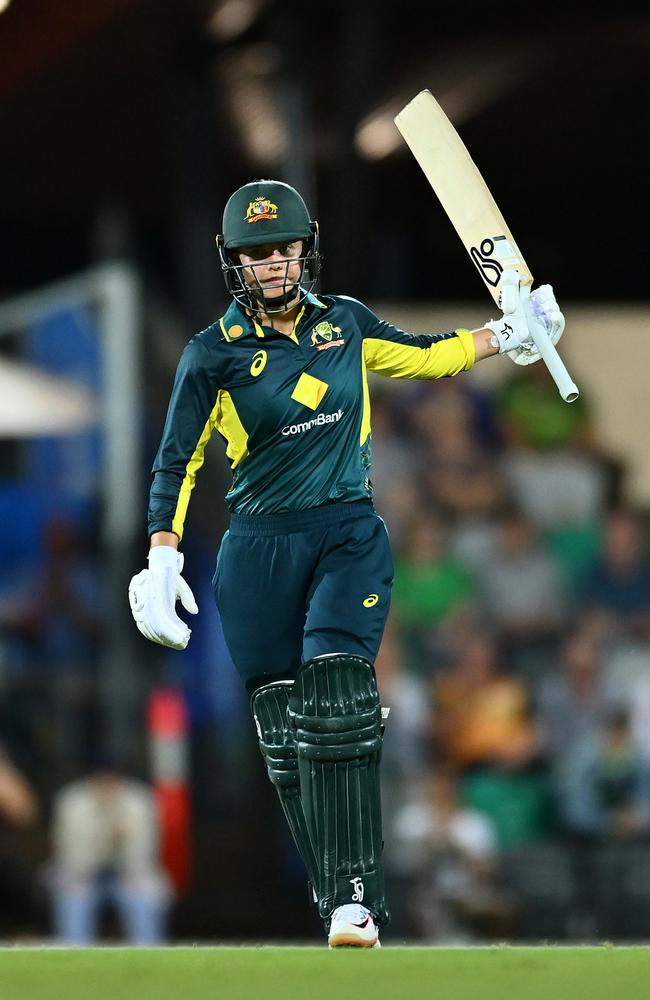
(516, 665)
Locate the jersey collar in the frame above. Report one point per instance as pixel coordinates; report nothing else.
(314, 301)
(236, 324)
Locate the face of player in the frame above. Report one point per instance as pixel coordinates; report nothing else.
(272, 269)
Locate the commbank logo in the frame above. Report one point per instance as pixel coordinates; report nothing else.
(319, 421)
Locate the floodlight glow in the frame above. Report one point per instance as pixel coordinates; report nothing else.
(232, 18)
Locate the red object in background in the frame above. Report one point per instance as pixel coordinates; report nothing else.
(168, 725)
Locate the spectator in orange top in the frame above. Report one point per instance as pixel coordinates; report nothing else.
(481, 714)
(483, 725)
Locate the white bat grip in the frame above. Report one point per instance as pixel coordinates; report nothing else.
(566, 386)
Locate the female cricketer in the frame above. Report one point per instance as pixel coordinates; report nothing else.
(304, 573)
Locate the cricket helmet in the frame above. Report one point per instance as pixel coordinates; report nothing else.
(265, 212)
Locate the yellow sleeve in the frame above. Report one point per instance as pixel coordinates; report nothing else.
(396, 354)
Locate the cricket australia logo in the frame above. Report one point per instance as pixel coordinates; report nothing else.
(325, 335)
(261, 208)
(357, 885)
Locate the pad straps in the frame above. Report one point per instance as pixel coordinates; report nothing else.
(269, 705)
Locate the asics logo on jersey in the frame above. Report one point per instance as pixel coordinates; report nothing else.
(371, 600)
(319, 421)
(259, 363)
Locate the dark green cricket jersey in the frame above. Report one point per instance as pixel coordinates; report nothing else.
(294, 411)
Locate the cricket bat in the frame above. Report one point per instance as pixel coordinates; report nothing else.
(466, 199)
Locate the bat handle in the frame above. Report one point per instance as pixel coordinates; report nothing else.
(566, 386)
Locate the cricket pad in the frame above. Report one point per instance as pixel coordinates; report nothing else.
(276, 740)
(335, 713)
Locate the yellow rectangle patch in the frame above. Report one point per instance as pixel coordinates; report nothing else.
(309, 391)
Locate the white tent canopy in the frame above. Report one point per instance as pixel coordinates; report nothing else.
(34, 404)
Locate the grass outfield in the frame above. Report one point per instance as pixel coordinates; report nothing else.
(264, 973)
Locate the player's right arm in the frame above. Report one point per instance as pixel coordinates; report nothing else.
(189, 423)
(188, 426)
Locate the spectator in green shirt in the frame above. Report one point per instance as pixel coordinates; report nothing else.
(433, 591)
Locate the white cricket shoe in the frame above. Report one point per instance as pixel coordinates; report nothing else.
(353, 926)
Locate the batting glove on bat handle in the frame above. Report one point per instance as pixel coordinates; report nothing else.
(546, 325)
(542, 311)
(153, 594)
(511, 331)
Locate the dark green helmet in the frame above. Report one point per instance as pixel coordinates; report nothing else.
(264, 212)
(267, 211)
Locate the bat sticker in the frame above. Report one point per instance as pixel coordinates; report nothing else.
(493, 255)
(491, 270)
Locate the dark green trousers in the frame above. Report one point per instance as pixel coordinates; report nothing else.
(290, 587)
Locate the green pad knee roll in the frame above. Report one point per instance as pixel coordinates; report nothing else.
(278, 748)
(335, 712)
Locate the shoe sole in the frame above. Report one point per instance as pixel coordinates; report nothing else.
(346, 941)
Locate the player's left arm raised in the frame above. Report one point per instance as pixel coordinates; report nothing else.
(389, 351)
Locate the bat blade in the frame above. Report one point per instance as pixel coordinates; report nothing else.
(461, 190)
(472, 210)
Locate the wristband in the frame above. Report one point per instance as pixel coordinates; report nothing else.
(165, 557)
(502, 335)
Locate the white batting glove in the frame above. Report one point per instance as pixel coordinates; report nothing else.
(541, 309)
(153, 594)
(511, 331)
